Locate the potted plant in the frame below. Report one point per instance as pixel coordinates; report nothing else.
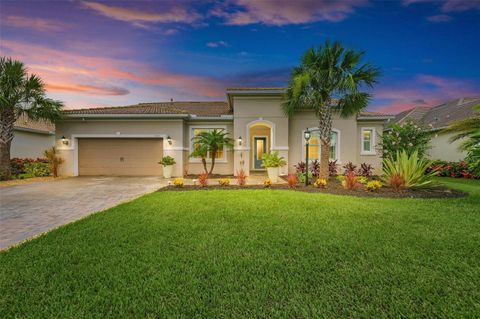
(167, 162)
(272, 162)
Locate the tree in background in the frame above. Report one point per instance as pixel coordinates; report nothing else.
(20, 94)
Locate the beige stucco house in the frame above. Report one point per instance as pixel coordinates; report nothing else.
(31, 138)
(435, 120)
(131, 140)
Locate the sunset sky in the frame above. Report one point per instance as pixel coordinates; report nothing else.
(99, 53)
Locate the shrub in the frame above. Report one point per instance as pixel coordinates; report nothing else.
(241, 177)
(17, 165)
(301, 177)
(178, 182)
(224, 181)
(267, 183)
(351, 181)
(300, 167)
(315, 168)
(203, 179)
(292, 180)
(53, 160)
(273, 159)
(365, 170)
(473, 161)
(320, 183)
(396, 182)
(410, 168)
(37, 169)
(373, 186)
(340, 178)
(407, 137)
(460, 169)
(362, 179)
(167, 160)
(332, 168)
(349, 167)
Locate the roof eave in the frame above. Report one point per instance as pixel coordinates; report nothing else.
(115, 116)
(32, 130)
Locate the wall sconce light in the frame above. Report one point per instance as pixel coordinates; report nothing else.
(64, 140)
(240, 141)
(169, 140)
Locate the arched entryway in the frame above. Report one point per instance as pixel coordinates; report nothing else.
(260, 139)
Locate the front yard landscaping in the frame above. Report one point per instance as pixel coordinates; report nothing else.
(255, 253)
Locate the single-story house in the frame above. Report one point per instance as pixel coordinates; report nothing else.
(130, 140)
(31, 138)
(436, 119)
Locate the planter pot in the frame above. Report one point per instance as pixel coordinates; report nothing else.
(167, 171)
(273, 174)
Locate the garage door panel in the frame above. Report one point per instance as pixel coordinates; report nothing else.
(120, 157)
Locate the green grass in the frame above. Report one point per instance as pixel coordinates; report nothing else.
(253, 254)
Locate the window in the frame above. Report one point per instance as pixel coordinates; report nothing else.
(368, 141)
(197, 130)
(314, 147)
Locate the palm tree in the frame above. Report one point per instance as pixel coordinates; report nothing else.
(209, 143)
(468, 129)
(329, 80)
(20, 94)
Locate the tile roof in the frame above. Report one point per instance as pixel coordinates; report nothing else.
(373, 114)
(441, 115)
(185, 107)
(24, 123)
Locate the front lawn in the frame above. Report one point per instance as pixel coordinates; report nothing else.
(254, 253)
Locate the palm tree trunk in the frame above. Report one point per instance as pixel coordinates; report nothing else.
(7, 131)
(204, 162)
(214, 154)
(5, 172)
(325, 127)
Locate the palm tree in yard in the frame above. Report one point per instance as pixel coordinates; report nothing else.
(20, 94)
(467, 130)
(329, 79)
(209, 144)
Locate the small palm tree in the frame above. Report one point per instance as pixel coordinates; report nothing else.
(468, 129)
(329, 80)
(20, 94)
(209, 143)
(54, 160)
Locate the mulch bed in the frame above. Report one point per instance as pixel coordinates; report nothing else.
(337, 189)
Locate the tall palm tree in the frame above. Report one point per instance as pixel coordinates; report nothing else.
(467, 129)
(329, 79)
(209, 143)
(20, 94)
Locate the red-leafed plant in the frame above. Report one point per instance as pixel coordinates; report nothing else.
(350, 181)
(241, 177)
(292, 180)
(396, 182)
(203, 179)
(349, 167)
(332, 168)
(365, 170)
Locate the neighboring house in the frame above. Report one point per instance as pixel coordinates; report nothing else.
(436, 119)
(130, 140)
(31, 138)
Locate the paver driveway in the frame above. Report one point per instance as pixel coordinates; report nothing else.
(29, 210)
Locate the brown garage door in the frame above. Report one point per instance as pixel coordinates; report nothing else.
(120, 157)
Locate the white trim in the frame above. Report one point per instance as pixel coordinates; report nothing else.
(74, 143)
(337, 155)
(372, 141)
(261, 121)
(190, 141)
(280, 148)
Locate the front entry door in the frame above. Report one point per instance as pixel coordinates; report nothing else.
(259, 148)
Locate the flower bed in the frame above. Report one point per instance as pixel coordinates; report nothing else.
(335, 187)
(453, 169)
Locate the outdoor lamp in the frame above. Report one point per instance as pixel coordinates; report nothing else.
(64, 140)
(306, 135)
(240, 140)
(169, 140)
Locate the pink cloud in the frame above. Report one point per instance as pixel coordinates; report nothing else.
(424, 90)
(139, 17)
(450, 5)
(79, 75)
(285, 12)
(37, 24)
(439, 18)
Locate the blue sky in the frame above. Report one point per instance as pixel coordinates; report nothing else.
(102, 53)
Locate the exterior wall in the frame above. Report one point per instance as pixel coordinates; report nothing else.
(373, 159)
(29, 144)
(193, 166)
(73, 130)
(442, 149)
(249, 111)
